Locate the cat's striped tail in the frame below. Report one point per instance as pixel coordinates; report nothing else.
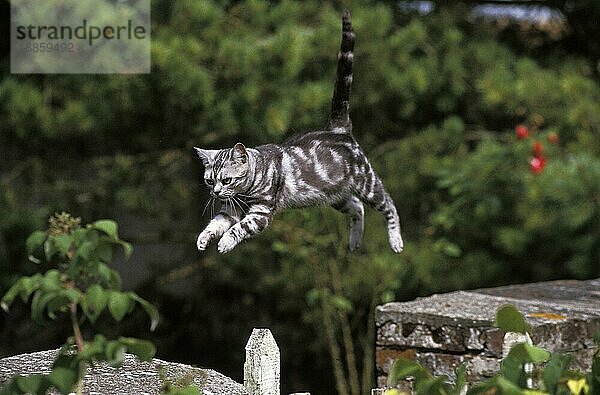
(340, 103)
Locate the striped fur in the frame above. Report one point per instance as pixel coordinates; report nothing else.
(308, 169)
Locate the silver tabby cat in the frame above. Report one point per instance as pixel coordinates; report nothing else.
(309, 169)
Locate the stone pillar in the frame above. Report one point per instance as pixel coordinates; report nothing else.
(511, 339)
(262, 366)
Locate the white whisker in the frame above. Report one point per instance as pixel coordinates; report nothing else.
(238, 202)
(206, 205)
(232, 206)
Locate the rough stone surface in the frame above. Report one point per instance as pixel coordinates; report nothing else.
(134, 377)
(442, 331)
(262, 367)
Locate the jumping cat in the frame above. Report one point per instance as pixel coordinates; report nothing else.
(314, 168)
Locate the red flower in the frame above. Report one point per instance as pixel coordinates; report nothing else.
(522, 132)
(537, 164)
(538, 149)
(553, 138)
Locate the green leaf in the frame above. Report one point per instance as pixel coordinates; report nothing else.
(107, 226)
(191, 389)
(80, 235)
(434, 385)
(10, 388)
(10, 295)
(512, 370)
(39, 303)
(114, 281)
(127, 249)
(452, 250)
(149, 308)
(85, 249)
(73, 294)
(65, 358)
(341, 303)
(461, 379)
(403, 368)
(506, 387)
(496, 385)
(35, 241)
(115, 353)
(509, 319)
(62, 243)
(554, 371)
(525, 352)
(143, 349)
(31, 384)
(105, 252)
(63, 379)
(103, 273)
(313, 296)
(29, 285)
(93, 350)
(94, 302)
(119, 304)
(51, 280)
(23, 287)
(61, 301)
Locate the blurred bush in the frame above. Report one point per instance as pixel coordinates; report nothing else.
(435, 101)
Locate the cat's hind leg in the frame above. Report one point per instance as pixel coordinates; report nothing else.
(355, 211)
(373, 193)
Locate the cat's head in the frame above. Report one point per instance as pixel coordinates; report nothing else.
(225, 170)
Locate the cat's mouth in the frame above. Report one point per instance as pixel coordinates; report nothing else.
(222, 198)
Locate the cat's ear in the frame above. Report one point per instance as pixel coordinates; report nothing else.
(206, 155)
(240, 155)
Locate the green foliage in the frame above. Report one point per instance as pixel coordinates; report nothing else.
(434, 102)
(83, 281)
(83, 276)
(552, 376)
(424, 382)
(67, 368)
(509, 319)
(183, 385)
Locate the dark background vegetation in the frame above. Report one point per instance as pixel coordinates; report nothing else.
(438, 89)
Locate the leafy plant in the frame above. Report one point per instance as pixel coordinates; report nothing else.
(81, 285)
(425, 382)
(552, 376)
(183, 385)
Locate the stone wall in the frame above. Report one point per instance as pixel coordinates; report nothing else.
(134, 377)
(443, 331)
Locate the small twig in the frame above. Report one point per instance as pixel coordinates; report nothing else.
(79, 343)
(76, 329)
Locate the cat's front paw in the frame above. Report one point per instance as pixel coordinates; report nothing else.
(203, 240)
(226, 244)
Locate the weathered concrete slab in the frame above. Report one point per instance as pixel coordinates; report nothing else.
(134, 377)
(443, 331)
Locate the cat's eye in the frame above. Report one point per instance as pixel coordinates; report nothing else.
(226, 181)
(209, 181)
